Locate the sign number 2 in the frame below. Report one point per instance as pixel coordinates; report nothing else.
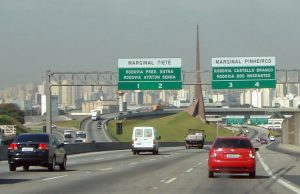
(160, 86)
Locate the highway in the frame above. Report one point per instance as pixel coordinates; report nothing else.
(95, 134)
(174, 170)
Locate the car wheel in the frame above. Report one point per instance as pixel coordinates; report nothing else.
(12, 167)
(134, 152)
(26, 167)
(252, 174)
(63, 165)
(51, 166)
(210, 174)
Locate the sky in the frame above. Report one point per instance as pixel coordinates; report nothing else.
(91, 35)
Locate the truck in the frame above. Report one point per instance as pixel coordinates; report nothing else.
(95, 115)
(156, 107)
(195, 138)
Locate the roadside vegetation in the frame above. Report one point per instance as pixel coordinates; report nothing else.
(68, 124)
(8, 120)
(171, 128)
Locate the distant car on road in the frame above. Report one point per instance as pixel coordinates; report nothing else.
(264, 141)
(272, 138)
(80, 137)
(232, 155)
(36, 150)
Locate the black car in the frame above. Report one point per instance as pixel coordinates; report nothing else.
(36, 150)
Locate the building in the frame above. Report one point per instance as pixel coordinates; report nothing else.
(54, 105)
(106, 106)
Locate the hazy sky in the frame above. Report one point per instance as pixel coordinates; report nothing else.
(90, 35)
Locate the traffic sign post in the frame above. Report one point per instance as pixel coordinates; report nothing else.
(149, 74)
(243, 72)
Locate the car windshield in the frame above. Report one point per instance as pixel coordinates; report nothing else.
(32, 138)
(81, 135)
(232, 143)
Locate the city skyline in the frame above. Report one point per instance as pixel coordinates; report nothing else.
(91, 36)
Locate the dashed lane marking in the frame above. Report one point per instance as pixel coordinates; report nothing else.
(106, 169)
(97, 159)
(189, 170)
(56, 177)
(171, 180)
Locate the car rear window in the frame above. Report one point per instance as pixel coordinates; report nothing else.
(32, 138)
(232, 143)
(148, 132)
(138, 133)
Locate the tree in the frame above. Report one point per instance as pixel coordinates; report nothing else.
(13, 111)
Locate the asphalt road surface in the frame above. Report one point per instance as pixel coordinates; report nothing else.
(93, 133)
(174, 170)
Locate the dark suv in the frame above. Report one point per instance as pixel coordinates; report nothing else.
(36, 150)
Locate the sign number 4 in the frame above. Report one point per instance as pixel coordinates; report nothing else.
(256, 84)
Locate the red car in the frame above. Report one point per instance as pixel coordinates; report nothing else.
(232, 155)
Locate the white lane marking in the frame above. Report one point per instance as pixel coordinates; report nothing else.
(96, 159)
(281, 181)
(171, 180)
(56, 177)
(105, 169)
(133, 163)
(166, 156)
(189, 170)
(199, 163)
(153, 159)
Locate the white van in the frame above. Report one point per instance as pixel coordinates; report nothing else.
(144, 139)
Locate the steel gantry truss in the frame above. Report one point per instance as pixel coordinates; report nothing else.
(110, 79)
(95, 78)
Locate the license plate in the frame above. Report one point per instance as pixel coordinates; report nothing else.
(27, 149)
(233, 155)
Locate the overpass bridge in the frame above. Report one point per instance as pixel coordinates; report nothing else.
(252, 111)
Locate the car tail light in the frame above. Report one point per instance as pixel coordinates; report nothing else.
(251, 155)
(43, 146)
(13, 146)
(213, 155)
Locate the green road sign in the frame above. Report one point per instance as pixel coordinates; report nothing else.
(149, 74)
(243, 72)
(234, 120)
(259, 119)
(150, 85)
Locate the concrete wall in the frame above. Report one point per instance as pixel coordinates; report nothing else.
(94, 147)
(291, 130)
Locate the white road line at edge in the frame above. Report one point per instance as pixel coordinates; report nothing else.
(56, 177)
(278, 180)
